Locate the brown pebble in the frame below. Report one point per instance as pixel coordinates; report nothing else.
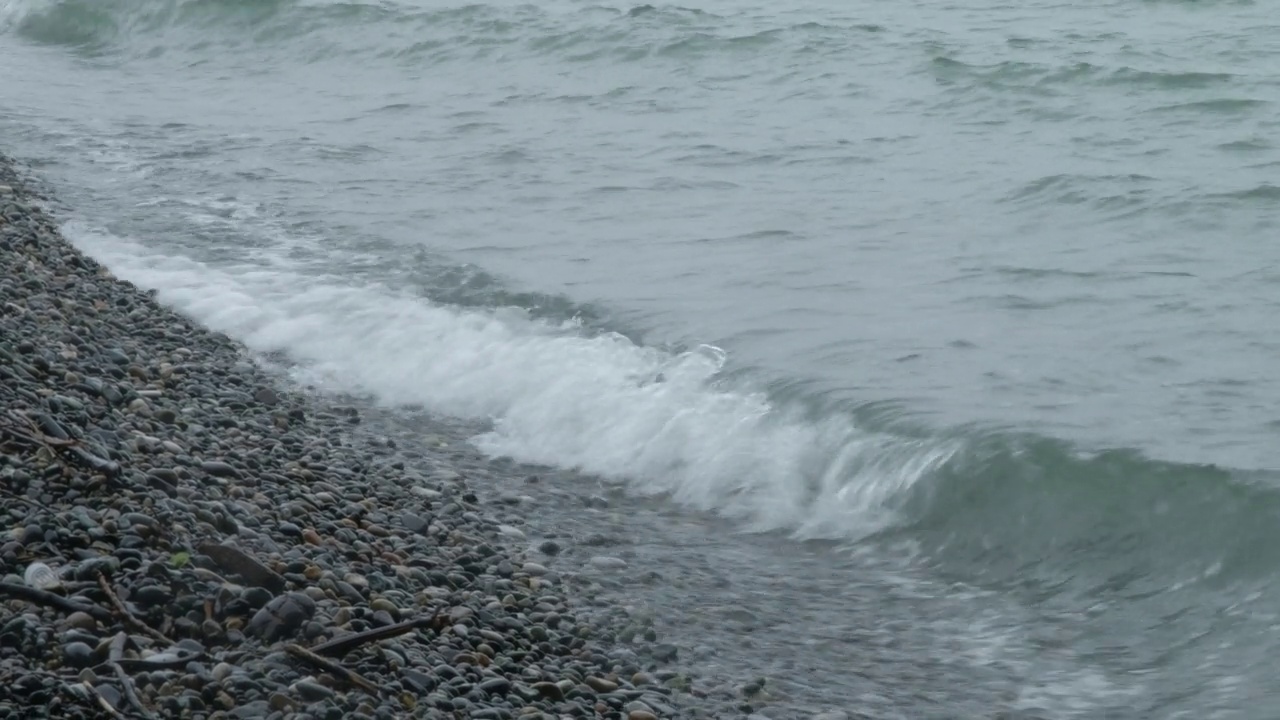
(641, 715)
(313, 572)
(280, 701)
(211, 629)
(311, 536)
(378, 531)
(601, 685)
(549, 690)
(82, 621)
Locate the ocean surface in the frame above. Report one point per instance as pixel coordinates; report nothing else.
(979, 299)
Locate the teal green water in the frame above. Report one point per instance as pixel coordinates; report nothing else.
(993, 283)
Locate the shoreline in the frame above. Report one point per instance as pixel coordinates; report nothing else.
(241, 521)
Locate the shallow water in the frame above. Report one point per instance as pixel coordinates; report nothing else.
(978, 297)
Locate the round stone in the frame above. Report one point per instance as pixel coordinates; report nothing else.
(77, 655)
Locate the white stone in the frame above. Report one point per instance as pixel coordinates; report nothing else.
(608, 563)
(511, 532)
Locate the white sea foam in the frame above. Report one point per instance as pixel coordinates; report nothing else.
(659, 422)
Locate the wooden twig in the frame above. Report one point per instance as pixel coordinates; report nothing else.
(127, 616)
(344, 644)
(102, 702)
(126, 683)
(24, 499)
(241, 563)
(331, 667)
(36, 434)
(60, 440)
(48, 599)
(115, 653)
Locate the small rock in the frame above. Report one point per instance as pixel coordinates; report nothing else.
(601, 685)
(414, 523)
(81, 621)
(219, 469)
(312, 691)
(77, 655)
(282, 616)
(110, 694)
(665, 653)
(279, 701)
(152, 595)
(608, 563)
(384, 605)
(549, 690)
(255, 710)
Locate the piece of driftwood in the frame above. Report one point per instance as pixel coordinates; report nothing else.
(344, 644)
(127, 616)
(110, 468)
(114, 655)
(333, 668)
(48, 599)
(24, 499)
(237, 561)
(161, 661)
(102, 702)
(46, 431)
(115, 651)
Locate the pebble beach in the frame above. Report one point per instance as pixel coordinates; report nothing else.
(187, 535)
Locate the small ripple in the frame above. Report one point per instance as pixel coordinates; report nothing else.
(1253, 144)
(1168, 80)
(1223, 106)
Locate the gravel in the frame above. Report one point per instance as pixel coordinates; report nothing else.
(212, 531)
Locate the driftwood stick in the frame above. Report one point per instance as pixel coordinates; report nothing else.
(48, 599)
(127, 616)
(331, 667)
(126, 683)
(102, 702)
(344, 644)
(24, 499)
(116, 651)
(35, 433)
(38, 434)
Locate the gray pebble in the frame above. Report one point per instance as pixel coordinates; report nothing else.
(77, 655)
